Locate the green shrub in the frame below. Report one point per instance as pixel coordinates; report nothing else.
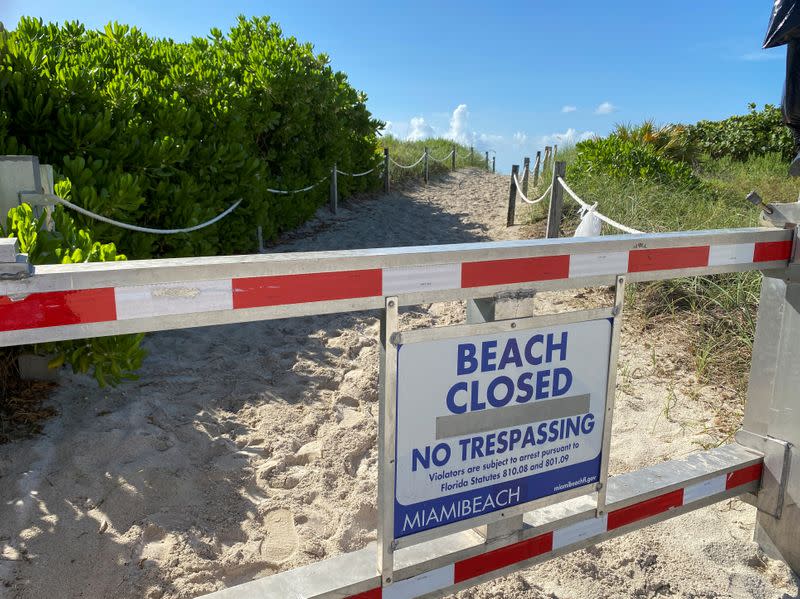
(739, 137)
(168, 135)
(628, 159)
(109, 359)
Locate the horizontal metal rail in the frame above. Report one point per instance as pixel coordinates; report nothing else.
(74, 301)
(458, 561)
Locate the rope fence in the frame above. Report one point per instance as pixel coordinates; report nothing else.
(556, 189)
(355, 174)
(293, 191)
(137, 228)
(524, 198)
(332, 177)
(397, 164)
(599, 215)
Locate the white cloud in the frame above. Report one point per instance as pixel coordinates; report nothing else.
(419, 129)
(569, 108)
(520, 138)
(569, 138)
(605, 108)
(459, 129)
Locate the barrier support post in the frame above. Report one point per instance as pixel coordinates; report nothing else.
(547, 153)
(488, 309)
(493, 159)
(486, 162)
(471, 155)
(512, 197)
(556, 201)
(453, 158)
(555, 151)
(334, 191)
(526, 167)
(425, 163)
(386, 170)
(771, 418)
(536, 166)
(386, 445)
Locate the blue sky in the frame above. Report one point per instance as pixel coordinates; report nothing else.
(526, 73)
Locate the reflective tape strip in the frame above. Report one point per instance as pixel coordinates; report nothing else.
(588, 265)
(580, 531)
(163, 299)
(485, 563)
(668, 258)
(426, 582)
(57, 308)
(500, 558)
(85, 306)
(421, 278)
(645, 509)
(767, 251)
(704, 489)
(258, 292)
(734, 253)
(514, 270)
(741, 477)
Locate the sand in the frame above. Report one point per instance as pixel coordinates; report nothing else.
(244, 450)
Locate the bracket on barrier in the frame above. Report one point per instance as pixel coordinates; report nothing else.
(13, 265)
(41, 200)
(775, 474)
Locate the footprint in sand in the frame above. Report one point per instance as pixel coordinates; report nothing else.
(280, 537)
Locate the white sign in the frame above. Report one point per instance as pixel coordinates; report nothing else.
(490, 421)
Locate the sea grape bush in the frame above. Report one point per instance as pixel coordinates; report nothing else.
(628, 159)
(741, 136)
(109, 359)
(167, 134)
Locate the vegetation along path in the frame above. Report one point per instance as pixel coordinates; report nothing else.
(248, 449)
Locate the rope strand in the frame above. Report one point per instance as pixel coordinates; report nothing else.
(599, 215)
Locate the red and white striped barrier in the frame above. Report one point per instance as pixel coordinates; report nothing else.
(540, 546)
(83, 306)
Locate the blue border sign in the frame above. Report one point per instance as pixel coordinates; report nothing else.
(491, 421)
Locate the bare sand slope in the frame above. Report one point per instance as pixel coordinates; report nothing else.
(248, 449)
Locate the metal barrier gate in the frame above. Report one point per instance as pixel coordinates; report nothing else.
(51, 303)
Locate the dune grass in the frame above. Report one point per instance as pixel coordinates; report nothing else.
(408, 152)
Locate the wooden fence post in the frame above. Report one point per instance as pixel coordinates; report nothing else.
(493, 159)
(426, 165)
(556, 201)
(334, 191)
(386, 170)
(471, 155)
(453, 158)
(526, 167)
(546, 161)
(486, 162)
(512, 197)
(536, 168)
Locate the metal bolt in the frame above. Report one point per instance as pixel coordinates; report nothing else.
(391, 303)
(513, 325)
(598, 486)
(756, 200)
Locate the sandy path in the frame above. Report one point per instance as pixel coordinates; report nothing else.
(248, 449)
